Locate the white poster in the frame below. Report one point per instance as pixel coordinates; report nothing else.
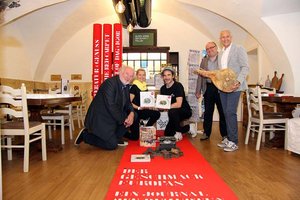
(194, 61)
(65, 86)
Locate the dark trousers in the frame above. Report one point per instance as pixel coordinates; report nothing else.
(230, 103)
(177, 115)
(110, 144)
(152, 115)
(212, 98)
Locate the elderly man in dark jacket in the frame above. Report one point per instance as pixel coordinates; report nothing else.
(110, 113)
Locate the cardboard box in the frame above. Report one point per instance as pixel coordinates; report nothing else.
(147, 136)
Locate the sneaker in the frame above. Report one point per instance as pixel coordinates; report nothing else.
(193, 130)
(79, 137)
(231, 146)
(204, 137)
(122, 143)
(178, 136)
(223, 143)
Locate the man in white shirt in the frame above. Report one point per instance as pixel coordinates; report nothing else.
(234, 57)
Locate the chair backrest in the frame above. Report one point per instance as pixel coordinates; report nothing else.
(268, 91)
(14, 103)
(255, 104)
(84, 96)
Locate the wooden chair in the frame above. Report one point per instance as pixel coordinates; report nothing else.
(260, 121)
(83, 107)
(63, 116)
(14, 104)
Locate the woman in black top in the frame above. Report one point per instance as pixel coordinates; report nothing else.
(180, 109)
(139, 84)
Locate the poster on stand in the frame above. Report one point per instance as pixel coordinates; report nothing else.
(194, 61)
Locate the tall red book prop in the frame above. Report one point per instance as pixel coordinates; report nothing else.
(118, 49)
(104, 64)
(107, 51)
(97, 53)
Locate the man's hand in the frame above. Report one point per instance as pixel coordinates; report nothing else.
(235, 86)
(129, 120)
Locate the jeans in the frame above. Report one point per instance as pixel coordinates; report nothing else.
(230, 103)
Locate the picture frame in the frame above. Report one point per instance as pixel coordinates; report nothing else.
(143, 38)
(163, 101)
(147, 99)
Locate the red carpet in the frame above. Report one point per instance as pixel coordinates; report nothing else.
(188, 177)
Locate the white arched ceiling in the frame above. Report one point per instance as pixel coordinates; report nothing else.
(248, 15)
(26, 8)
(250, 29)
(87, 13)
(185, 12)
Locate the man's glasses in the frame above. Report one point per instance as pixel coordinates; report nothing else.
(210, 48)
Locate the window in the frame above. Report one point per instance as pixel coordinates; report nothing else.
(151, 59)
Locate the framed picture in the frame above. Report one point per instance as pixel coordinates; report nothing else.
(163, 101)
(143, 38)
(147, 99)
(55, 77)
(76, 77)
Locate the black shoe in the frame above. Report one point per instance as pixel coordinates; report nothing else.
(79, 137)
(122, 143)
(185, 129)
(204, 137)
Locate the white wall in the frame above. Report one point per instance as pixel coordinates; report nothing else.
(169, 33)
(287, 28)
(253, 77)
(14, 61)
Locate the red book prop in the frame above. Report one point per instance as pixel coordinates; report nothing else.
(118, 48)
(97, 53)
(223, 79)
(107, 51)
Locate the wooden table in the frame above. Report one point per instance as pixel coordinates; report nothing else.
(37, 102)
(285, 104)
